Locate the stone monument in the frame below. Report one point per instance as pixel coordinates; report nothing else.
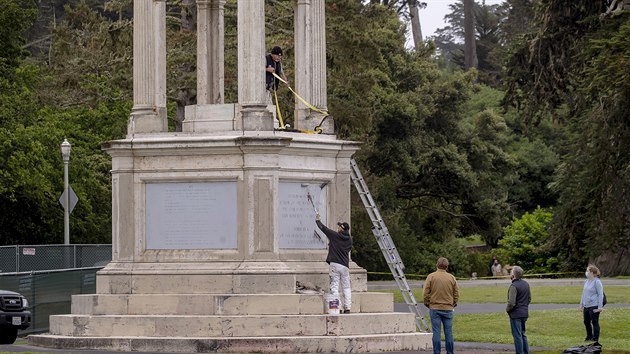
(211, 226)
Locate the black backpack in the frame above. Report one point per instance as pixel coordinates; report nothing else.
(594, 348)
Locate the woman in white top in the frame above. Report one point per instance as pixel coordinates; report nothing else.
(592, 302)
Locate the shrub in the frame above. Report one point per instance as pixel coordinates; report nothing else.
(525, 242)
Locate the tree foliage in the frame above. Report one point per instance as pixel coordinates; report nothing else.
(525, 242)
(489, 38)
(40, 106)
(16, 17)
(575, 69)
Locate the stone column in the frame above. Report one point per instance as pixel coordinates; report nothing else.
(319, 88)
(159, 21)
(251, 66)
(210, 51)
(149, 68)
(303, 63)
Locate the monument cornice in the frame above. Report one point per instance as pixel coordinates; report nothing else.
(262, 142)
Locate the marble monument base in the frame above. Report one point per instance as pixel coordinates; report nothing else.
(210, 233)
(204, 323)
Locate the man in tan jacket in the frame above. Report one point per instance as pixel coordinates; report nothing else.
(441, 296)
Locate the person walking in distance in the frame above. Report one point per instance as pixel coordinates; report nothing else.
(339, 246)
(440, 296)
(519, 297)
(496, 268)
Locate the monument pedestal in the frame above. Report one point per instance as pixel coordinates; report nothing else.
(210, 235)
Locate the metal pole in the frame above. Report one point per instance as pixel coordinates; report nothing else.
(66, 213)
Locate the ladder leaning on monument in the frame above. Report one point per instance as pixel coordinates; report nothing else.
(387, 246)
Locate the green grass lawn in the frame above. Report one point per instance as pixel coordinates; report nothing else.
(558, 329)
(540, 294)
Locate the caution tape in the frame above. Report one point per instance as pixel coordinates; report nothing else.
(275, 95)
(300, 97)
(318, 129)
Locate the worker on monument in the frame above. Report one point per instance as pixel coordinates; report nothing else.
(272, 66)
(339, 246)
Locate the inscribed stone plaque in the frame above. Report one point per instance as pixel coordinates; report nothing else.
(297, 216)
(191, 215)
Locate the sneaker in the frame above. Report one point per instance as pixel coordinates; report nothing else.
(588, 339)
(346, 311)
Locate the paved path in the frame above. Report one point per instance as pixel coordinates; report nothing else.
(387, 284)
(494, 307)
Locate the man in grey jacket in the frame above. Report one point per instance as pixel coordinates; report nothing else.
(519, 297)
(339, 246)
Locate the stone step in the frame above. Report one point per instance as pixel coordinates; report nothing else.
(169, 273)
(231, 326)
(290, 344)
(221, 304)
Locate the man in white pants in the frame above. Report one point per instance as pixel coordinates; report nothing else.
(339, 246)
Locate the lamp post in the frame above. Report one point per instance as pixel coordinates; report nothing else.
(65, 153)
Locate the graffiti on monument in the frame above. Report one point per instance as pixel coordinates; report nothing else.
(297, 229)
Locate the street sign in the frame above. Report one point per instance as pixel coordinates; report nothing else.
(72, 198)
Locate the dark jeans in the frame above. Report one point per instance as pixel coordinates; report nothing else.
(439, 318)
(591, 322)
(518, 333)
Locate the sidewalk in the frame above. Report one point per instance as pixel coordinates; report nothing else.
(390, 284)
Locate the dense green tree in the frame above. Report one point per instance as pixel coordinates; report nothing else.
(32, 179)
(525, 242)
(532, 154)
(575, 69)
(384, 95)
(89, 62)
(16, 17)
(436, 173)
(39, 108)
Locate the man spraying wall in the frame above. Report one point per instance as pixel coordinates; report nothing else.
(339, 246)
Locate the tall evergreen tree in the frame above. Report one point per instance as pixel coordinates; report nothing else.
(575, 69)
(451, 41)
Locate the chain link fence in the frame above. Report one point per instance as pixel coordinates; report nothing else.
(49, 292)
(30, 258)
(48, 276)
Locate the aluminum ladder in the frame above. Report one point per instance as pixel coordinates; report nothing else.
(387, 246)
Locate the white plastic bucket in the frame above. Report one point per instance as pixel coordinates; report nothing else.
(332, 304)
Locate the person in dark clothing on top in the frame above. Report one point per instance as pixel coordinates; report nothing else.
(339, 246)
(272, 66)
(519, 297)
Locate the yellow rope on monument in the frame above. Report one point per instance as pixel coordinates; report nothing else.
(275, 95)
(318, 129)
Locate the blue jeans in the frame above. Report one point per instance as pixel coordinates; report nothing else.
(590, 317)
(518, 333)
(439, 318)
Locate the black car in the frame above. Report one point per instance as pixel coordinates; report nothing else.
(14, 315)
